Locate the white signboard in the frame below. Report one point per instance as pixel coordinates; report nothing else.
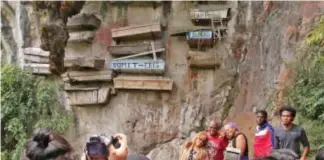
(138, 65)
(201, 34)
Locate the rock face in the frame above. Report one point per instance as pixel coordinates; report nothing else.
(261, 38)
(83, 21)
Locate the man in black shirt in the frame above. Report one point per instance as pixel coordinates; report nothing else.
(289, 135)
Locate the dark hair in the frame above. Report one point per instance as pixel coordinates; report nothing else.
(320, 153)
(263, 112)
(289, 109)
(40, 147)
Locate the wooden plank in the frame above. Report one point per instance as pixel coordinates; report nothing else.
(90, 97)
(143, 83)
(86, 62)
(83, 22)
(153, 50)
(182, 31)
(137, 30)
(138, 66)
(36, 68)
(120, 50)
(140, 54)
(83, 87)
(36, 59)
(213, 7)
(86, 76)
(176, 31)
(35, 51)
(82, 36)
(203, 60)
(199, 14)
(137, 3)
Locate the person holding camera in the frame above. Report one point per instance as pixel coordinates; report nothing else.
(106, 148)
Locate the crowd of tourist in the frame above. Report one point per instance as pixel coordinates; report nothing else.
(217, 142)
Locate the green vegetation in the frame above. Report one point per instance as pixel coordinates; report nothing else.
(27, 102)
(316, 37)
(307, 95)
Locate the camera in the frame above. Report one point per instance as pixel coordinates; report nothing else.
(98, 145)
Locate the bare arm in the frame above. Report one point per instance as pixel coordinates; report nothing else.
(122, 151)
(241, 144)
(305, 153)
(305, 143)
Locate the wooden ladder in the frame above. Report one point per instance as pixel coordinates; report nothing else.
(214, 20)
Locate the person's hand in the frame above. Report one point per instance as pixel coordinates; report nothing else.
(302, 158)
(121, 138)
(51, 137)
(222, 134)
(187, 144)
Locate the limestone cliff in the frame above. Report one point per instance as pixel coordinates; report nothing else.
(261, 39)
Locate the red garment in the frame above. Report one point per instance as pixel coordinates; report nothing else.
(216, 147)
(263, 141)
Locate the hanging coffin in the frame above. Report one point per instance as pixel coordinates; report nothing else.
(138, 66)
(88, 96)
(121, 50)
(137, 31)
(200, 38)
(87, 76)
(39, 69)
(143, 83)
(204, 13)
(203, 60)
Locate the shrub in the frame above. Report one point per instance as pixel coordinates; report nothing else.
(27, 102)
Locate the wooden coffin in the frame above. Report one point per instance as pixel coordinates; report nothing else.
(137, 3)
(203, 60)
(89, 97)
(80, 87)
(82, 36)
(147, 30)
(86, 76)
(138, 66)
(206, 12)
(121, 50)
(182, 31)
(39, 69)
(200, 38)
(35, 52)
(83, 22)
(84, 62)
(36, 59)
(143, 83)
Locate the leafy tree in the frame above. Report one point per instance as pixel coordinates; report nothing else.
(27, 102)
(308, 92)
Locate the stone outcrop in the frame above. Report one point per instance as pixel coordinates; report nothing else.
(54, 34)
(83, 22)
